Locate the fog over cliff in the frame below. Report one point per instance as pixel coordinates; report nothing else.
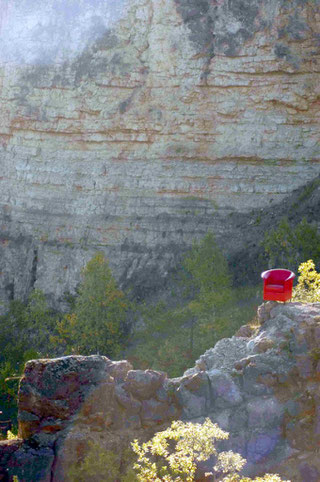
(52, 32)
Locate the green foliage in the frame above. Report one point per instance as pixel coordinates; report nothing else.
(172, 338)
(207, 280)
(8, 391)
(101, 465)
(33, 330)
(98, 323)
(206, 265)
(24, 335)
(172, 455)
(192, 443)
(286, 245)
(161, 343)
(165, 342)
(26, 329)
(11, 435)
(308, 287)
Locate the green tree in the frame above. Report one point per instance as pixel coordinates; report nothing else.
(206, 280)
(171, 339)
(162, 341)
(24, 335)
(287, 246)
(205, 271)
(98, 323)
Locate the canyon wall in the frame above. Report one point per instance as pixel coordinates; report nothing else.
(262, 387)
(135, 126)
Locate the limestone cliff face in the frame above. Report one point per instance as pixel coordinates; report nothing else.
(135, 126)
(263, 388)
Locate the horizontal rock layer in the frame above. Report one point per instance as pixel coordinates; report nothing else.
(134, 127)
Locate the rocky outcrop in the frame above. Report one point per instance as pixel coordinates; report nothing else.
(262, 388)
(66, 402)
(135, 126)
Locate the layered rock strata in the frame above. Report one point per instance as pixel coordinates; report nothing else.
(263, 388)
(135, 126)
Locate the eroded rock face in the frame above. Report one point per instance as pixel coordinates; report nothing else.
(268, 400)
(135, 126)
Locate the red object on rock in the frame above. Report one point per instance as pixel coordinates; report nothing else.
(277, 284)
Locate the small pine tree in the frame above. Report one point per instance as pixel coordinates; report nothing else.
(171, 339)
(97, 324)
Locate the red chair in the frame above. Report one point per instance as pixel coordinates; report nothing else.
(277, 284)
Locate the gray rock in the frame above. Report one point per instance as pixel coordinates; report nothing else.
(225, 392)
(309, 473)
(268, 401)
(126, 400)
(262, 444)
(264, 412)
(238, 422)
(153, 412)
(222, 418)
(143, 384)
(224, 354)
(193, 405)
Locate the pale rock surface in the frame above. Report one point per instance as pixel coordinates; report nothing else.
(135, 126)
(267, 400)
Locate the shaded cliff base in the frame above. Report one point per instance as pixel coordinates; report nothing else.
(263, 389)
(148, 273)
(302, 203)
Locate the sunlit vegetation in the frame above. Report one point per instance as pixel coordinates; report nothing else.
(308, 287)
(170, 456)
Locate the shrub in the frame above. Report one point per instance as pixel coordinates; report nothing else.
(11, 435)
(172, 455)
(100, 465)
(193, 443)
(308, 287)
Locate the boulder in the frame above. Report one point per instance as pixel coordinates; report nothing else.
(267, 399)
